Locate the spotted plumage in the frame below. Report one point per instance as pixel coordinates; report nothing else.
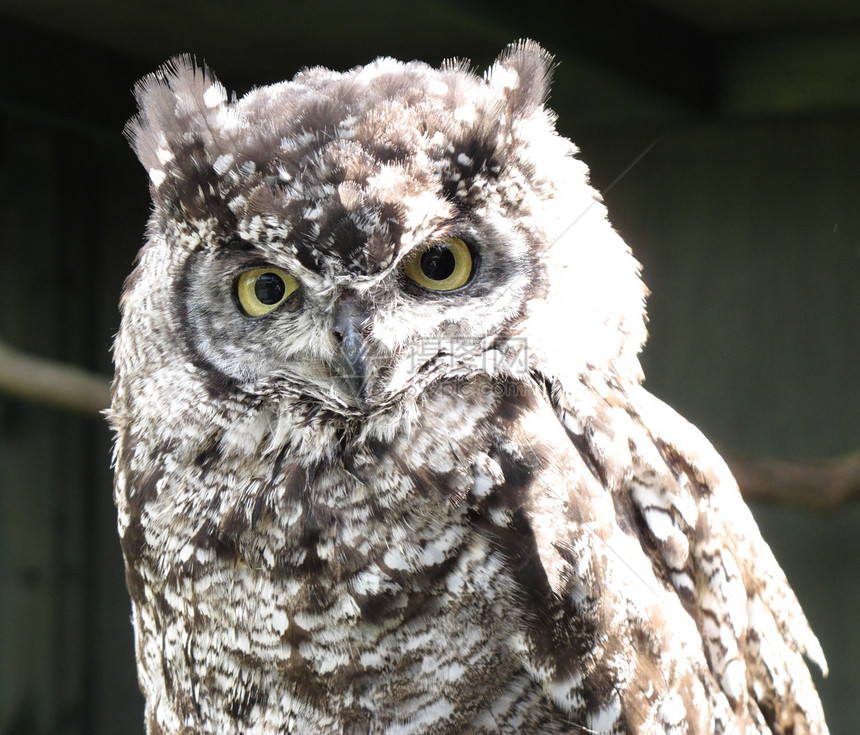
(384, 460)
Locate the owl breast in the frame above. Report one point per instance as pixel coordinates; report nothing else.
(333, 594)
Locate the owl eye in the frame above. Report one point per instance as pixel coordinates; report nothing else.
(442, 266)
(262, 290)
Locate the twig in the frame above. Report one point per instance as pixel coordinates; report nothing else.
(51, 382)
(818, 486)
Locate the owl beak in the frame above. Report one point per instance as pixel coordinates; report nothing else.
(350, 316)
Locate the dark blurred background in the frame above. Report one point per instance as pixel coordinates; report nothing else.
(745, 215)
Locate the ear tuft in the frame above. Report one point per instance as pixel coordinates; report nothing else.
(178, 98)
(522, 75)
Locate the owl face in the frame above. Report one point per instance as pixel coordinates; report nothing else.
(255, 314)
(349, 239)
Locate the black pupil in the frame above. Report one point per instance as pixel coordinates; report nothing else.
(438, 263)
(269, 288)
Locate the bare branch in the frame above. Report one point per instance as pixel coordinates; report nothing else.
(821, 486)
(51, 382)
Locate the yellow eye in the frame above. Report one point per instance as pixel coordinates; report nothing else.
(443, 266)
(262, 290)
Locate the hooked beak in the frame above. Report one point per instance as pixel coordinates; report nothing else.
(350, 315)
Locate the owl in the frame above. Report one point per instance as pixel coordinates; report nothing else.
(384, 461)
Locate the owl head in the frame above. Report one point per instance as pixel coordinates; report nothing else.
(342, 241)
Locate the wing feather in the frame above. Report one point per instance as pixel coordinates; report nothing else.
(670, 485)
